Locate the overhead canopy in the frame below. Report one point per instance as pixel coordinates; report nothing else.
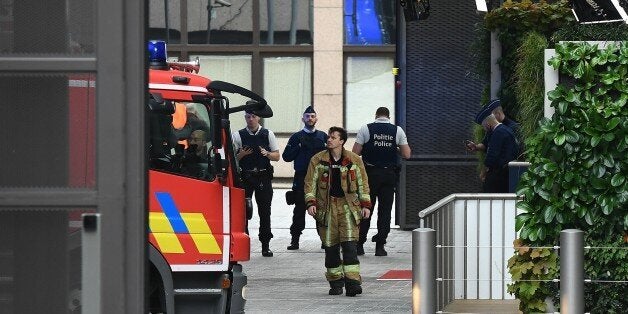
(599, 11)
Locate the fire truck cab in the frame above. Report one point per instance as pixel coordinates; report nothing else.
(197, 208)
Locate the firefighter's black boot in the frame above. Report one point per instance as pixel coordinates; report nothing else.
(336, 286)
(379, 249)
(352, 287)
(294, 244)
(360, 249)
(266, 252)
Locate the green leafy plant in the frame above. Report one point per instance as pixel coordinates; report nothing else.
(606, 264)
(579, 158)
(532, 269)
(528, 77)
(512, 21)
(592, 32)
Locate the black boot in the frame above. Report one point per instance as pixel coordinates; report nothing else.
(294, 244)
(352, 287)
(360, 249)
(379, 249)
(336, 286)
(266, 252)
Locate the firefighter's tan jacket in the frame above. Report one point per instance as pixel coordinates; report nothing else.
(354, 182)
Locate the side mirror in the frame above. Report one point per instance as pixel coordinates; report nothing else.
(260, 109)
(216, 123)
(157, 104)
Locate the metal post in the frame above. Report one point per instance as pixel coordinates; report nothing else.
(423, 270)
(571, 271)
(90, 268)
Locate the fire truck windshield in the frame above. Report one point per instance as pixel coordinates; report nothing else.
(180, 142)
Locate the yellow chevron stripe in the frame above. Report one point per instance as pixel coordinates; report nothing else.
(168, 243)
(201, 233)
(159, 223)
(162, 230)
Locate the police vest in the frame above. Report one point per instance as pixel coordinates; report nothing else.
(381, 148)
(255, 160)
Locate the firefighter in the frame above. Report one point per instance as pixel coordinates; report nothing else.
(256, 147)
(337, 196)
(301, 147)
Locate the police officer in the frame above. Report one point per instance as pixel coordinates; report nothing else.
(380, 143)
(494, 107)
(301, 147)
(256, 147)
(501, 149)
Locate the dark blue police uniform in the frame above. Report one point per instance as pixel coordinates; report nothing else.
(257, 174)
(381, 160)
(502, 148)
(300, 149)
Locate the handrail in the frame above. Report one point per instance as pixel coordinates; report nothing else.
(461, 196)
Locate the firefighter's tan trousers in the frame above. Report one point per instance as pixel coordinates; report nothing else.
(341, 230)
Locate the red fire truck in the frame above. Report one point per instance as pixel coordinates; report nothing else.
(197, 209)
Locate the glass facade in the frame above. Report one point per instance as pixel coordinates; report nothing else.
(369, 84)
(210, 22)
(288, 90)
(164, 20)
(369, 22)
(234, 69)
(286, 22)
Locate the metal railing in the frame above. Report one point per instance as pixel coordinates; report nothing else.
(424, 279)
(473, 234)
(462, 248)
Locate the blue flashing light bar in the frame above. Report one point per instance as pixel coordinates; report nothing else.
(157, 51)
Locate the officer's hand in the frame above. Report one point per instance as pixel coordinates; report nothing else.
(483, 174)
(263, 151)
(471, 146)
(366, 213)
(244, 151)
(311, 210)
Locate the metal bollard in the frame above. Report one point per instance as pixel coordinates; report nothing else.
(572, 271)
(423, 270)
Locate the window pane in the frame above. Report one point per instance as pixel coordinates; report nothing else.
(370, 84)
(164, 20)
(179, 143)
(50, 27)
(288, 90)
(232, 69)
(48, 141)
(228, 24)
(369, 22)
(286, 22)
(40, 255)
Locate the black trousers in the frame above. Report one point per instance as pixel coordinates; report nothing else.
(261, 185)
(349, 255)
(496, 180)
(382, 183)
(298, 214)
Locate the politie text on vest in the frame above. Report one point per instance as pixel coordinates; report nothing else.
(383, 140)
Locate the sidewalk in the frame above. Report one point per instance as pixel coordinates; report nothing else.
(294, 281)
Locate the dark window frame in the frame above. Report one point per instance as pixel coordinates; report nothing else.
(256, 50)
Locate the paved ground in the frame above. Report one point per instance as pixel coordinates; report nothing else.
(293, 281)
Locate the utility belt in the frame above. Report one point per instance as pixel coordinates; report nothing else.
(393, 168)
(257, 173)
